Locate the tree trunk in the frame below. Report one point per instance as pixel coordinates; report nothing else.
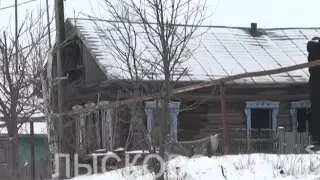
(164, 129)
(14, 141)
(15, 158)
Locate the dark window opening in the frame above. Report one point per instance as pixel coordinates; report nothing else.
(303, 115)
(261, 128)
(261, 119)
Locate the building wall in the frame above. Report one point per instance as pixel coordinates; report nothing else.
(206, 119)
(92, 71)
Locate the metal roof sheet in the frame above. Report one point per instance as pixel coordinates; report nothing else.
(218, 52)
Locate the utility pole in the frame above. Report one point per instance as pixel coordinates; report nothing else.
(60, 37)
(33, 164)
(48, 21)
(13, 118)
(16, 34)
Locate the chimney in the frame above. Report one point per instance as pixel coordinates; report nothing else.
(254, 29)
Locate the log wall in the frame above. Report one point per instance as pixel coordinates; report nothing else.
(206, 119)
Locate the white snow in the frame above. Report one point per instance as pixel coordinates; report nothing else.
(138, 152)
(104, 154)
(232, 167)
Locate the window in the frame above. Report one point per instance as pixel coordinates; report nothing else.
(154, 117)
(261, 115)
(261, 118)
(302, 118)
(300, 112)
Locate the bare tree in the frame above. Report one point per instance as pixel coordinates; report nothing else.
(20, 80)
(121, 39)
(151, 39)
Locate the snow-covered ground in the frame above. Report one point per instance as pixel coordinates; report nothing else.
(233, 167)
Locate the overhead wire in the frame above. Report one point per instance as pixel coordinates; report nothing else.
(7, 7)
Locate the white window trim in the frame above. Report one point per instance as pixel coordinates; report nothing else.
(174, 111)
(273, 105)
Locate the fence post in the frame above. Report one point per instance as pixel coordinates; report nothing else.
(281, 140)
(33, 164)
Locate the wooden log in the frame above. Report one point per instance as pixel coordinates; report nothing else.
(213, 97)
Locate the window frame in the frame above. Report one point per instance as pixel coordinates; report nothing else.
(293, 111)
(174, 109)
(261, 104)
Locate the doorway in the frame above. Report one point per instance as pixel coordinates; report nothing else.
(303, 115)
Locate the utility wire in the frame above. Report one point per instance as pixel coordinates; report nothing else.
(7, 7)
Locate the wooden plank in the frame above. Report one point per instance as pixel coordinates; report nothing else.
(109, 126)
(78, 129)
(83, 139)
(98, 129)
(289, 143)
(104, 129)
(90, 138)
(281, 135)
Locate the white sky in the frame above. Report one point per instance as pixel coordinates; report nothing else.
(267, 13)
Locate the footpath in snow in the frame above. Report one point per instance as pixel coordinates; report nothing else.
(232, 167)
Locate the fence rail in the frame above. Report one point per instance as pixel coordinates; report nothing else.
(267, 141)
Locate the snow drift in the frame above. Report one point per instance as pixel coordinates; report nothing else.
(247, 167)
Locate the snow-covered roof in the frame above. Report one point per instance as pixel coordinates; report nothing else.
(40, 128)
(219, 52)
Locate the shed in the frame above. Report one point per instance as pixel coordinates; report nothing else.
(42, 153)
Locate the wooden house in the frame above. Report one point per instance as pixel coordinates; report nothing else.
(256, 106)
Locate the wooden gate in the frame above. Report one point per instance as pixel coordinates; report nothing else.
(292, 142)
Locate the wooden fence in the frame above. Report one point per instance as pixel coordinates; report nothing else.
(43, 168)
(292, 143)
(43, 171)
(267, 141)
(260, 141)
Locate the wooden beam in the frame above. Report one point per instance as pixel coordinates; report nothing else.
(85, 88)
(216, 97)
(226, 79)
(301, 95)
(268, 85)
(211, 83)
